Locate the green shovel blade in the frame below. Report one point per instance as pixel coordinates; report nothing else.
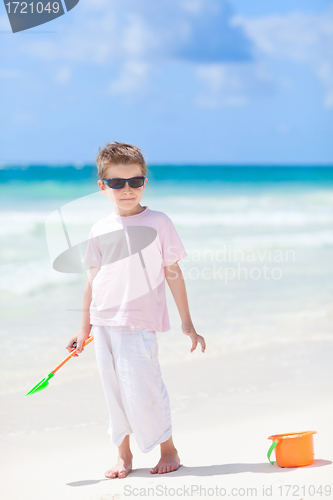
(41, 385)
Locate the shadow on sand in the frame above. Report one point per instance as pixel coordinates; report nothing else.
(209, 470)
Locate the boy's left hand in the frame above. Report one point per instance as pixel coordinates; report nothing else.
(190, 331)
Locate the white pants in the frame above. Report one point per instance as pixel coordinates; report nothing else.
(137, 399)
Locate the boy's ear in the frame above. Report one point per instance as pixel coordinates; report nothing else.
(102, 186)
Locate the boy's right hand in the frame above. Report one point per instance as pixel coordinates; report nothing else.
(79, 338)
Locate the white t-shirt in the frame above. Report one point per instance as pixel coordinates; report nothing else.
(132, 251)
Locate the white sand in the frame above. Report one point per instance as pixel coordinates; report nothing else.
(55, 445)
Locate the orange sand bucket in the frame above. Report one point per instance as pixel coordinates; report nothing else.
(294, 449)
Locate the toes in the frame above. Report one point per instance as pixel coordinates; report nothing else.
(122, 473)
(163, 469)
(110, 474)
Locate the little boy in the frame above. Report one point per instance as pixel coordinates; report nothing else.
(131, 253)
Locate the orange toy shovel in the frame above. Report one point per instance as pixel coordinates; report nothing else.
(45, 382)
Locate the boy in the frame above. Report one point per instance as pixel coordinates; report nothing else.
(131, 253)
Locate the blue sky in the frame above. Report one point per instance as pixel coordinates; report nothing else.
(188, 81)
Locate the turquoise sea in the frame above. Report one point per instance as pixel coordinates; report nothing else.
(259, 269)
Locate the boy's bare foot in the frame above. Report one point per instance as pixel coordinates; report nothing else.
(121, 469)
(169, 462)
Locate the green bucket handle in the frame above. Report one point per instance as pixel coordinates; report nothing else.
(275, 442)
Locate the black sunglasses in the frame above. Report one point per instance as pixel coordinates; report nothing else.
(134, 182)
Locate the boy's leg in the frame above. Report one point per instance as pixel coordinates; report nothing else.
(169, 460)
(143, 393)
(119, 426)
(124, 462)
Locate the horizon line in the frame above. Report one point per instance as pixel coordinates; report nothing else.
(81, 165)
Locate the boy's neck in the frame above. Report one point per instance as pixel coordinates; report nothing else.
(127, 213)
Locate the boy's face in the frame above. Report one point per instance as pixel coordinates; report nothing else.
(127, 198)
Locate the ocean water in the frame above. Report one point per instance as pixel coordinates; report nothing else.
(259, 268)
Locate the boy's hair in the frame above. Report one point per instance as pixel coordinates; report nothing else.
(116, 153)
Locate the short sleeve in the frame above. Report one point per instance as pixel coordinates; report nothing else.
(93, 255)
(172, 247)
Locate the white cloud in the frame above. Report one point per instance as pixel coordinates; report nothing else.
(95, 5)
(325, 74)
(223, 87)
(24, 118)
(132, 77)
(88, 41)
(193, 6)
(136, 37)
(4, 23)
(63, 75)
(299, 37)
(234, 85)
(9, 73)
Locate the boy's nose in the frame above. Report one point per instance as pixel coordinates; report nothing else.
(127, 187)
(126, 192)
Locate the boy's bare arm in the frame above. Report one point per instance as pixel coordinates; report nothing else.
(175, 280)
(84, 331)
(87, 295)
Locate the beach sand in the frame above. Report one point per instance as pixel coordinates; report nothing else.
(56, 446)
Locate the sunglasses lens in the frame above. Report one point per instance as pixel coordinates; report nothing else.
(136, 182)
(116, 183)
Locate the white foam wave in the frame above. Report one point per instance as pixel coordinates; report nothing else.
(316, 239)
(224, 209)
(253, 218)
(30, 276)
(19, 222)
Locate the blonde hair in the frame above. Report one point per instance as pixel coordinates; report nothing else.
(119, 153)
